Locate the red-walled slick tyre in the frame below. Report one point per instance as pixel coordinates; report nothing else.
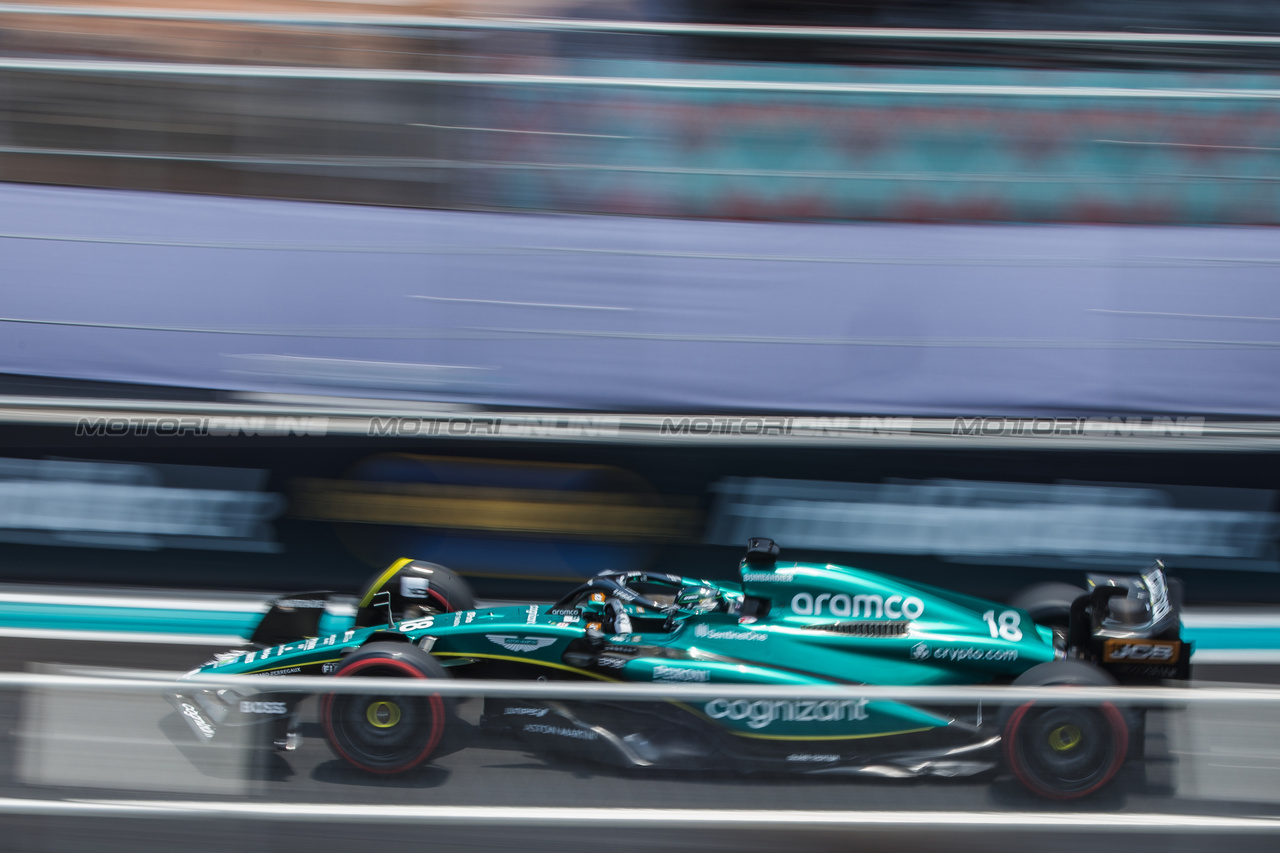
(385, 732)
(1064, 751)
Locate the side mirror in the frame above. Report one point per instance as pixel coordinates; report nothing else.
(761, 552)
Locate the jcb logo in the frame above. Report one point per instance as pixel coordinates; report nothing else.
(1122, 651)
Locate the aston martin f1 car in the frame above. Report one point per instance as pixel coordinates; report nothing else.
(782, 624)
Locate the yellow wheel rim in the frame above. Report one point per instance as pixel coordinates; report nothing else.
(1065, 738)
(383, 714)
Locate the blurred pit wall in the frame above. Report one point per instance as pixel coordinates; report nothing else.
(931, 144)
(638, 314)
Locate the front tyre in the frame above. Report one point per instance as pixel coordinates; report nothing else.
(385, 732)
(1064, 751)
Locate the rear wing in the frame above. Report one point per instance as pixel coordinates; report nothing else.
(1131, 626)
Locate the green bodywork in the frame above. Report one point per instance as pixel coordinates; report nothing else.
(818, 624)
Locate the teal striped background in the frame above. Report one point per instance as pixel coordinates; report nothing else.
(215, 618)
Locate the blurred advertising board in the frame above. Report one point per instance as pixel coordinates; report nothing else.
(136, 506)
(498, 518)
(1048, 525)
(526, 519)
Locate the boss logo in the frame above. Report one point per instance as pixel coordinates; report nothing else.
(1144, 651)
(263, 708)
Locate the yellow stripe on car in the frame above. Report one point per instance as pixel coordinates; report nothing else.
(383, 578)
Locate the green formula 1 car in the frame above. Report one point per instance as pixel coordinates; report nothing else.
(783, 624)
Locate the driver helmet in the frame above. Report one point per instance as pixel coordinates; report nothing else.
(700, 599)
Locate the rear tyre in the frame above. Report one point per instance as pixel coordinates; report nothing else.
(1064, 751)
(1049, 604)
(385, 732)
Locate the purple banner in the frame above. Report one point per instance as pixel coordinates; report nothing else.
(613, 313)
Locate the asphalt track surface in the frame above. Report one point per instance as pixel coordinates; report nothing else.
(482, 775)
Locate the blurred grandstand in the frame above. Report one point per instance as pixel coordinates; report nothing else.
(1131, 112)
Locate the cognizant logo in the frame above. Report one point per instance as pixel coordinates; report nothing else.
(893, 607)
(764, 712)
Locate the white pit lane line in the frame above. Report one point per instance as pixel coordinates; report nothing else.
(161, 600)
(1219, 657)
(220, 640)
(1080, 822)
(239, 604)
(1240, 617)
